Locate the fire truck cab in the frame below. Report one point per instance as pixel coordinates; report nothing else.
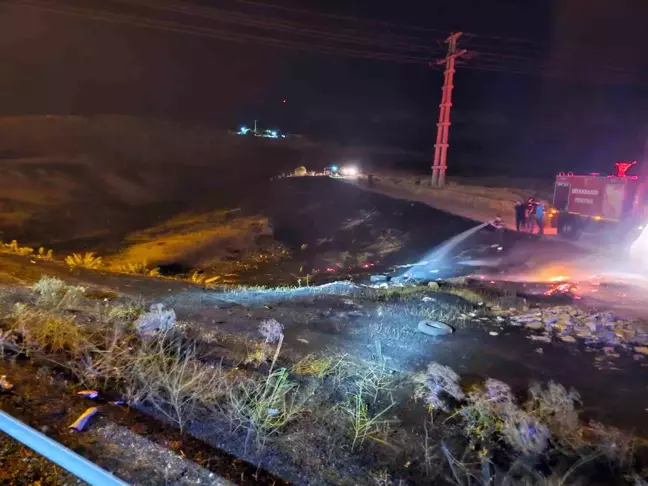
(616, 204)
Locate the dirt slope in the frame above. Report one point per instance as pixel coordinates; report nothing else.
(71, 182)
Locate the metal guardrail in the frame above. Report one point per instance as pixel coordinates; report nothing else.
(57, 453)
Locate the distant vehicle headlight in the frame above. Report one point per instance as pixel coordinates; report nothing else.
(349, 171)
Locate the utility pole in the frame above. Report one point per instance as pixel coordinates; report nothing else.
(439, 165)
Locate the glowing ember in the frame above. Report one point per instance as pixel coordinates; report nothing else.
(563, 289)
(559, 278)
(339, 267)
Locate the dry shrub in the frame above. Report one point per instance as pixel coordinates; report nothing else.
(156, 319)
(610, 442)
(553, 405)
(436, 385)
(168, 374)
(160, 366)
(44, 331)
(7, 341)
(492, 420)
(300, 171)
(52, 292)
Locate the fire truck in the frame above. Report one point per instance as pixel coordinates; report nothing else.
(613, 206)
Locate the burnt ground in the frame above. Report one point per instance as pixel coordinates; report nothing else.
(344, 318)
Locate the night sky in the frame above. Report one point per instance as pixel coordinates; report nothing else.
(584, 107)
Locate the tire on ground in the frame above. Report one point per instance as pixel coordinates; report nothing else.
(434, 328)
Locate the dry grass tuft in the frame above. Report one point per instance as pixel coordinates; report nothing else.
(265, 405)
(84, 260)
(396, 294)
(127, 311)
(140, 268)
(317, 366)
(15, 248)
(44, 254)
(364, 423)
(201, 278)
(470, 295)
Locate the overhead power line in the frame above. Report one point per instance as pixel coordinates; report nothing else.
(283, 34)
(209, 32)
(283, 26)
(393, 25)
(484, 41)
(530, 52)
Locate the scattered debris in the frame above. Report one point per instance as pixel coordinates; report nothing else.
(5, 385)
(428, 299)
(92, 394)
(641, 350)
(535, 316)
(536, 325)
(302, 340)
(493, 333)
(80, 423)
(602, 328)
(433, 286)
(539, 350)
(379, 278)
(543, 338)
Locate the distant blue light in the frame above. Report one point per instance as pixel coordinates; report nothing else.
(274, 134)
(244, 130)
(334, 168)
